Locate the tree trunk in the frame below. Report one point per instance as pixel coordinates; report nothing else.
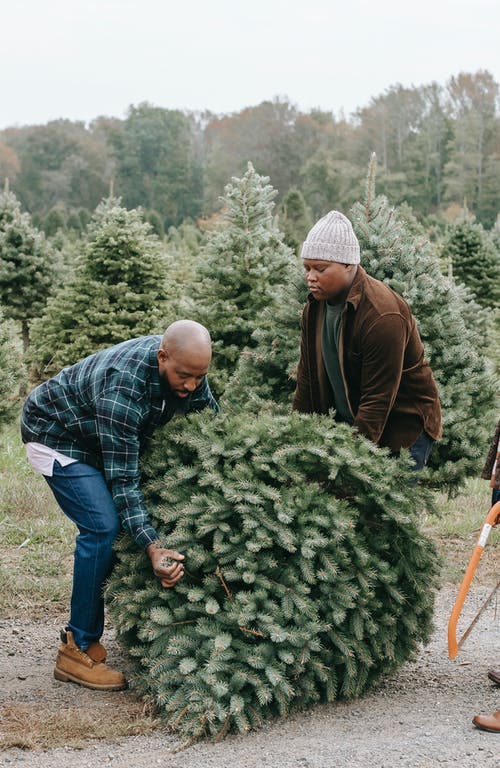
(23, 386)
(25, 335)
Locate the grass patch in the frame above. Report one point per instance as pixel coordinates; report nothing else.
(28, 727)
(36, 539)
(456, 531)
(460, 516)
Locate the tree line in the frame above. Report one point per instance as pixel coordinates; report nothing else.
(437, 148)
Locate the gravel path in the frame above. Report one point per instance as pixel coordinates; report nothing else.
(418, 718)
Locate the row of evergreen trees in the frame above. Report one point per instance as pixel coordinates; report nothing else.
(244, 283)
(35, 269)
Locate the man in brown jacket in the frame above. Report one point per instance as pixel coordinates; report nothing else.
(361, 353)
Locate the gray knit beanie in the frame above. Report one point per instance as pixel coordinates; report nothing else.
(332, 239)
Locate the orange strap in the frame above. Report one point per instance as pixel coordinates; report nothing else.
(491, 518)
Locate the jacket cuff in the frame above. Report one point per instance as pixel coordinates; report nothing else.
(145, 536)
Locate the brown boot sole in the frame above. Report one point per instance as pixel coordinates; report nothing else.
(484, 728)
(64, 677)
(494, 678)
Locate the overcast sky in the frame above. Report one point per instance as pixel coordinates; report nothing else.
(79, 59)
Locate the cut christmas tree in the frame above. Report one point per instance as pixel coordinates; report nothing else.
(306, 575)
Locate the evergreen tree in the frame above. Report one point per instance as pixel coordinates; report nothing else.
(294, 219)
(154, 219)
(187, 238)
(329, 180)
(475, 260)
(11, 368)
(182, 247)
(244, 262)
(74, 222)
(28, 265)
(267, 371)
(306, 574)
(84, 217)
(55, 221)
(117, 292)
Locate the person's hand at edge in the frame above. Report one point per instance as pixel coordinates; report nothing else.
(167, 565)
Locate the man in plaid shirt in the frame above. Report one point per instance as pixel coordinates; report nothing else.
(84, 430)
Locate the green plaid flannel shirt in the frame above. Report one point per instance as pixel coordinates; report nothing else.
(102, 411)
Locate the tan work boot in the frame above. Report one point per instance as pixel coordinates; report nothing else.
(77, 666)
(494, 675)
(489, 723)
(96, 650)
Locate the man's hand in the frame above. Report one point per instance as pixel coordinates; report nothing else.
(167, 565)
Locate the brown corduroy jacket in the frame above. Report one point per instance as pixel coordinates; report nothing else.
(490, 459)
(388, 382)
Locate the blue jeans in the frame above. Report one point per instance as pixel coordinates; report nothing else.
(420, 451)
(83, 496)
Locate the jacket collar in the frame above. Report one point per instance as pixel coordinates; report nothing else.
(356, 289)
(158, 390)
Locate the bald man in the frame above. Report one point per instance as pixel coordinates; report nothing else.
(84, 430)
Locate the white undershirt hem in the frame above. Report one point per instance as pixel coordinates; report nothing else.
(42, 458)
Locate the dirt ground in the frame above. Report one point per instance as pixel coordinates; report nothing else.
(418, 718)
